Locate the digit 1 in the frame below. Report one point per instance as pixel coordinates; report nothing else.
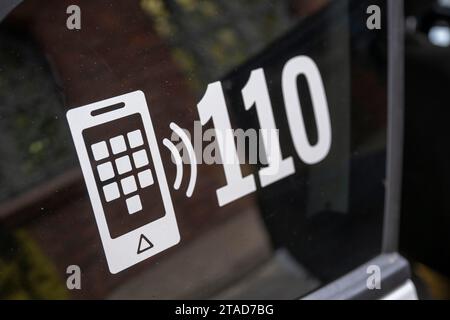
(255, 93)
(213, 106)
(295, 67)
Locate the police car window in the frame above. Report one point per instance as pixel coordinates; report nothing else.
(189, 149)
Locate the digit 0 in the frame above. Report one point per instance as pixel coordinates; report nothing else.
(295, 67)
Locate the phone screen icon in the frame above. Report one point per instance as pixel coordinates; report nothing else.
(120, 158)
(123, 171)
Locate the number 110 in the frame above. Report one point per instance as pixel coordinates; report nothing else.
(255, 93)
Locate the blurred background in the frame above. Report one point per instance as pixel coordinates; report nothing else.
(425, 220)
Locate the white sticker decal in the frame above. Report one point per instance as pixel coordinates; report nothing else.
(121, 163)
(124, 175)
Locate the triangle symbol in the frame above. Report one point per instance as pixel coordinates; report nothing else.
(144, 244)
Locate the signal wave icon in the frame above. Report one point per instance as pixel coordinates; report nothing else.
(179, 161)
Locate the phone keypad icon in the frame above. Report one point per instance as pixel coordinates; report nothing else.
(121, 161)
(123, 164)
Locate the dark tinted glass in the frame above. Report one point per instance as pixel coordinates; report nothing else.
(283, 240)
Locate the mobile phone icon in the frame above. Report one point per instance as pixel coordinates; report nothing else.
(122, 167)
